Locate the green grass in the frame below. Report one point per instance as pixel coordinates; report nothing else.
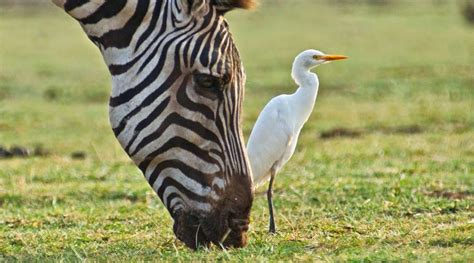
(383, 196)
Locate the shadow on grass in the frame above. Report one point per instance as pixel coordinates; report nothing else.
(355, 133)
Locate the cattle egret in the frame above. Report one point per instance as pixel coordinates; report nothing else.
(275, 133)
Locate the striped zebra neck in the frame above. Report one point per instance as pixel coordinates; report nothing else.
(175, 105)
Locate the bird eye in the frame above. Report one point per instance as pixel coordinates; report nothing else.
(317, 57)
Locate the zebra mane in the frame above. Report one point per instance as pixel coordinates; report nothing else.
(231, 4)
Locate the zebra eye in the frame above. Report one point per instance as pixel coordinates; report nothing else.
(206, 81)
(209, 86)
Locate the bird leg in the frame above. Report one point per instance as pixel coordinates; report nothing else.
(270, 203)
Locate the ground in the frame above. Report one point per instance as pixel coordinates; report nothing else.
(383, 170)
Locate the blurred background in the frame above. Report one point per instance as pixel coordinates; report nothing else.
(411, 63)
(392, 128)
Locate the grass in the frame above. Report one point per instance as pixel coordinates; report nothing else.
(390, 194)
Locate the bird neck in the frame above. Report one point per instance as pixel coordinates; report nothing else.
(302, 75)
(308, 82)
(305, 97)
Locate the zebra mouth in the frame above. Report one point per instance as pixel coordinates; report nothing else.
(196, 232)
(189, 229)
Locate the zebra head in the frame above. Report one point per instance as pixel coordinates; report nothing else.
(177, 90)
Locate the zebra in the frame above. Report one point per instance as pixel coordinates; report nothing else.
(175, 107)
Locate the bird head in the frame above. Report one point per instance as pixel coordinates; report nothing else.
(312, 58)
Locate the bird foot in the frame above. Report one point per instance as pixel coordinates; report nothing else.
(272, 229)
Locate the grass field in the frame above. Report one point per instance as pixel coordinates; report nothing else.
(400, 188)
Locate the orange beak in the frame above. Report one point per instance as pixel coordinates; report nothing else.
(333, 57)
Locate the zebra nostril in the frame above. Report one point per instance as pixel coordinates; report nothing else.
(237, 236)
(239, 225)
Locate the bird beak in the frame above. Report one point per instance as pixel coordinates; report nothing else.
(333, 57)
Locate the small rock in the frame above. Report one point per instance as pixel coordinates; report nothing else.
(4, 153)
(39, 151)
(78, 155)
(19, 151)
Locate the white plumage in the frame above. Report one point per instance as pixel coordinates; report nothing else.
(275, 133)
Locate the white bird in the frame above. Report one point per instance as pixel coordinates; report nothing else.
(275, 133)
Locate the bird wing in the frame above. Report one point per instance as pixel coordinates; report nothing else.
(270, 139)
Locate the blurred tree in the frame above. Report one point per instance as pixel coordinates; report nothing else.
(468, 11)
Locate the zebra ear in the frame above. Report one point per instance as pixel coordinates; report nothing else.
(227, 5)
(197, 7)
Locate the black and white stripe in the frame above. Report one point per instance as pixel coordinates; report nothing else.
(176, 95)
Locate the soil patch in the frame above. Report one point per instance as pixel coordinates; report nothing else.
(340, 132)
(451, 195)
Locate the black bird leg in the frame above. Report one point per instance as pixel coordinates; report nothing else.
(271, 228)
